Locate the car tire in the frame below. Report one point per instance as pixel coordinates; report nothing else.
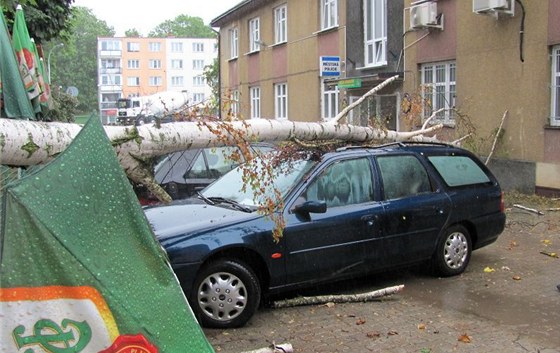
(453, 252)
(225, 294)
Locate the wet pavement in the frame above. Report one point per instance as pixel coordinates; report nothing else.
(506, 301)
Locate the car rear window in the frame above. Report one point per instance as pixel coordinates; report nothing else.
(459, 170)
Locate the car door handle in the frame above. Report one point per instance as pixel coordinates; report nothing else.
(369, 220)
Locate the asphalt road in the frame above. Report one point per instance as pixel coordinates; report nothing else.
(506, 301)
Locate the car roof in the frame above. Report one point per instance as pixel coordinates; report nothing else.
(399, 147)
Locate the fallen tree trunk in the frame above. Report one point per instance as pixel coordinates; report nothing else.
(342, 298)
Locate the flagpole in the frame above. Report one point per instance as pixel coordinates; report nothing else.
(49, 59)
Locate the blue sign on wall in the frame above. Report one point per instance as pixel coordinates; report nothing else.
(329, 65)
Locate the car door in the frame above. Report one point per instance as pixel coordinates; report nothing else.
(415, 210)
(319, 246)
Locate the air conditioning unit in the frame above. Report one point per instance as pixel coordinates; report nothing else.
(494, 7)
(425, 16)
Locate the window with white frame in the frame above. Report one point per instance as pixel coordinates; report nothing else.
(281, 101)
(110, 63)
(198, 47)
(154, 46)
(555, 87)
(133, 46)
(329, 13)
(254, 35)
(108, 80)
(233, 43)
(133, 81)
(154, 64)
(198, 64)
(375, 17)
(199, 81)
(330, 101)
(198, 97)
(176, 47)
(155, 81)
(133, 64)
(176, 64)
(234, 103)
(281, 24)
(177, 81)
(438, 89)
(255, 98)
(110, 45)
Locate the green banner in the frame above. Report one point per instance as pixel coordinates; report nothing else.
(80, 269)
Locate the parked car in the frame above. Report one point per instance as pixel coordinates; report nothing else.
(183, 173)
(348, 213)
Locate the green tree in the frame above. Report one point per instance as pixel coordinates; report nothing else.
(132, 33)
(46, 19)
(75, 64)
(183, 26)
(212, 75)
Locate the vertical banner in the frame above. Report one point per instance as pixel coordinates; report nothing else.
(80, 269)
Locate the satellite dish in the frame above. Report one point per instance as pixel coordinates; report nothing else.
(73, 91)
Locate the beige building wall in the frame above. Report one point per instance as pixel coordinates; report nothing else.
(144, 72)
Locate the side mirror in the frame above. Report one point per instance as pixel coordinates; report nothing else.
(311, 207)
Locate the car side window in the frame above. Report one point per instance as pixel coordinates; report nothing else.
(403, 176)
(342, 183)
(219, 160)
(459, 170)
(198, 168)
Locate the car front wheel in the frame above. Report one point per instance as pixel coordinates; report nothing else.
(225, 294)
(453, 252)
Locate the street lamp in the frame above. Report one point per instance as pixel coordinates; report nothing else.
(49, 59)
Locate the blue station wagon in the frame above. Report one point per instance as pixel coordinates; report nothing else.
(347, 213)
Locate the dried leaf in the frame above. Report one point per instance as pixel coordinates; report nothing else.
(360, 322)
(373, 334)
(465, 338)
(421, 326)
(489, 269)
(551, 254)
(546, 242)
(517, 278)
(392, 333)
(329, 305)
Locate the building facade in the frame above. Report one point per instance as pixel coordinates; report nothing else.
(135, 66)
(467, 61)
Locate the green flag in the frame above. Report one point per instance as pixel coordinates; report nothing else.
(24, 53)
(15, 103)
(80, 269)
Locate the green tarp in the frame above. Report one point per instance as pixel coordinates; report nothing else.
(80, 269)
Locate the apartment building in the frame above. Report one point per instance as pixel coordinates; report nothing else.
(473, 59)
(135, 66)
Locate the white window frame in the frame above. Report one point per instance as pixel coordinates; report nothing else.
(281, 24)
(177, 81)
(176, 47)
(329, 14)
(133, 64)
(155, 81)
(281, 101)
(235, 103)
(198, 98)
(233, 43)
(555, 87)
(198, 47)
(154, 46)
(154, 64)
(198, 64)
(254, 35)
(329, 102)
(255, 99)
(176, 64)
(111, 45)
(133, 81)
(133, 46)
(110, 80)
(439, 89)
(199, 81)
(375, 33)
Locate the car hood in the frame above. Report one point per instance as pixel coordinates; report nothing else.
(192, 218)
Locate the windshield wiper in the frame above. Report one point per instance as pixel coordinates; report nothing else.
(235, 204)
(205, 199)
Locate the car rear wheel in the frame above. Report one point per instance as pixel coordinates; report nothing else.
(225, 294)
(453, 252)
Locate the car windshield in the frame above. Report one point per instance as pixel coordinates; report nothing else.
(231, 185)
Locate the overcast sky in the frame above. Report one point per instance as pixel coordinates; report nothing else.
(145, 15)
